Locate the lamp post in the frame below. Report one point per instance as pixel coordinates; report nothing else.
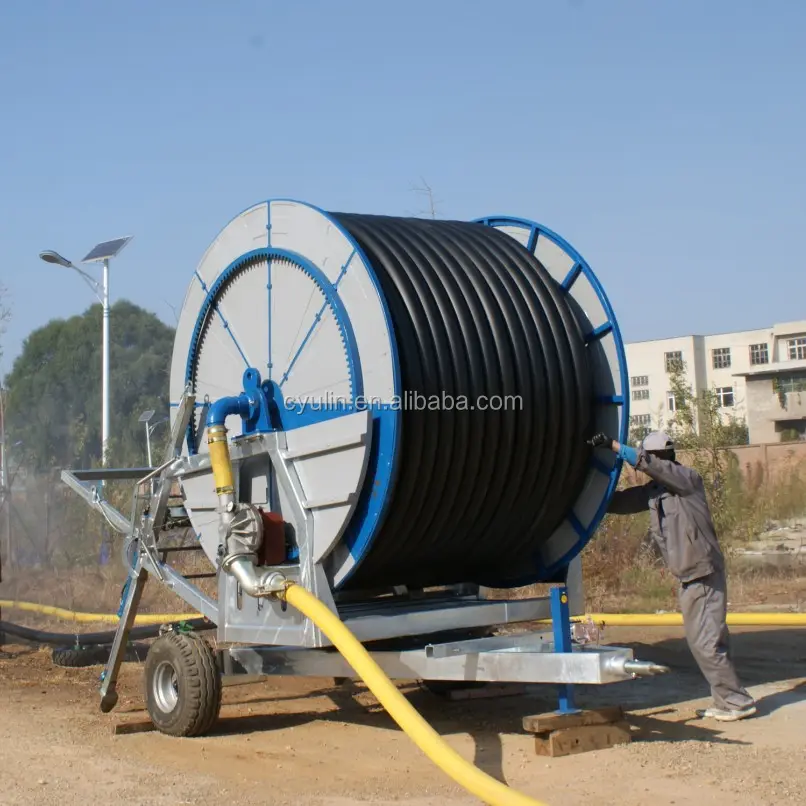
(146, 417)
(103, 252)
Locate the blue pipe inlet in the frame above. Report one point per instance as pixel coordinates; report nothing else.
(256, 406)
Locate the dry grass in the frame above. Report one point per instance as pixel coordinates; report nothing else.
(97, 589)
(623, 573)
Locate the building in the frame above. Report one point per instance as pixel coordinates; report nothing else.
(757, 375)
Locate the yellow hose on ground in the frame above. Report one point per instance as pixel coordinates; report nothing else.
(95, 618)
(400, 709)
(676, 619)
(608, 619)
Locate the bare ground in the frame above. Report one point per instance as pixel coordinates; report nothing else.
(288, 741)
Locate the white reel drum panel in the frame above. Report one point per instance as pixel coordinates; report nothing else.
(284, 290)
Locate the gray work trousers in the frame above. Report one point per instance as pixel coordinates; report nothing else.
(704, 604)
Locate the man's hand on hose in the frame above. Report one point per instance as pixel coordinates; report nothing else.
(602, 441)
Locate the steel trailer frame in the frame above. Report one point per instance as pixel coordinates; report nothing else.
(404, 632)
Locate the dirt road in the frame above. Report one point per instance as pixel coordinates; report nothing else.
(310, 742)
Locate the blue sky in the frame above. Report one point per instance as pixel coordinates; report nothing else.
(665, 140)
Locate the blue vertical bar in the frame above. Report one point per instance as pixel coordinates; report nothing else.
(561, 623)
(268, 280)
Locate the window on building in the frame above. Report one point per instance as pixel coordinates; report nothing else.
(759, 354)
(721, 357)
(724, 395)
(789, 384)
(674, 360)
(671, 403)
(639, 380)
(640, 394)
(641, 419)
(797, 349)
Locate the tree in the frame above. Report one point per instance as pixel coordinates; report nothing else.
(54, 401)
(698, 420)
(700, 429)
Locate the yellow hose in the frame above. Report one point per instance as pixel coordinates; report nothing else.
(608, 619)
(419, 731)
(676, 619)
(94, 618)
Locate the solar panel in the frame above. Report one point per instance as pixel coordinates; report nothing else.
(105, 250)
(146, 416)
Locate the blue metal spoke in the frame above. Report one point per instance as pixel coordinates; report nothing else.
(308, 335)
(532, 244)
(577, 526)
(599, 332)
(225, 322)
(203, 284)
(344, 269)
(612, 400)
(572, 276)
(231, 334)
(317, 319)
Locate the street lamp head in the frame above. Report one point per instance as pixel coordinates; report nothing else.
(146, 416)
(49, 256)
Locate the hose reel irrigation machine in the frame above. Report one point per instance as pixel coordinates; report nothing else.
(389, 416)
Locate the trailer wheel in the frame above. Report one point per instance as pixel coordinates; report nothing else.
(80, 657)
(182, 685)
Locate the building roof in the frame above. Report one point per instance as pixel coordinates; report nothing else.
(768, 370)
(779, 329)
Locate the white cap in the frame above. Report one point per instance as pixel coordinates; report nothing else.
(658, 441)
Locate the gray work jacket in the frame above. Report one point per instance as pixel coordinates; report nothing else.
(679, 516)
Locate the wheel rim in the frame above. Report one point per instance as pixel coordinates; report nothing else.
(165, 687)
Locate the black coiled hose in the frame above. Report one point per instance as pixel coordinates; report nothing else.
(479, 322)
(91, 638)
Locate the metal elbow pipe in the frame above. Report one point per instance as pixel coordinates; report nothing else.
(225, 407)
(254, 583)
(240, 534)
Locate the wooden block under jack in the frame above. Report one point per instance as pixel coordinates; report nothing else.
(543, 723)
(570, 741)
(567, 734)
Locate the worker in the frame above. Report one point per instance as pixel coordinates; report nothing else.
(682, 526)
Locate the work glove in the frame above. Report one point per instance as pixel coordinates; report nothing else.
(601, 441)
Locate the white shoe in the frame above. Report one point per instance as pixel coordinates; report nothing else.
(732, 715)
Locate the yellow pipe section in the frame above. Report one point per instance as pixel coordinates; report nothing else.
(485, 787)
(220, 463)
(676, 619)
(94, 618)
(606, 619)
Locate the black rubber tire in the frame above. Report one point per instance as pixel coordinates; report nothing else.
(73, 658)
(198, 685)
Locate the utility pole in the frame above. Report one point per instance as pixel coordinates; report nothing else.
(105, 372)
(4, 492)
(102, 253)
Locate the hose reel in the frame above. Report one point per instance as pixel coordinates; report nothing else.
(483, 352)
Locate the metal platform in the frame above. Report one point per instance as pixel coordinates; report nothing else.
(525, 658)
